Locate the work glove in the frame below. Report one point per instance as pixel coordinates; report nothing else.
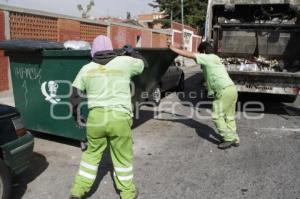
(79, 120)
(129, 51)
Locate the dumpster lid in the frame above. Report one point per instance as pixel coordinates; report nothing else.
(30, 45)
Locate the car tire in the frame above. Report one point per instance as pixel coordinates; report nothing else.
(155, 95)
(180, 86)
(5, 181)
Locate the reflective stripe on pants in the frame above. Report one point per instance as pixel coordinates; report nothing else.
(113, 129)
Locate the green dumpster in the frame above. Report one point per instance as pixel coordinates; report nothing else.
(42, 76)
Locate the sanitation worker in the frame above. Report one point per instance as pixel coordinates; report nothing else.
(222, 88)
(106, 83)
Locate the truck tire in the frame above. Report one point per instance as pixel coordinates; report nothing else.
(5, 181)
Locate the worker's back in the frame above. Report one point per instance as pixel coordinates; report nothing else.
(214, 71)
(108, 86)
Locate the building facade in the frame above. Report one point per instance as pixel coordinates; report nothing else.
(19, 23)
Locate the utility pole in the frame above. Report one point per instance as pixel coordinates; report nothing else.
(182, 23)
(171, 18)
(171, 6)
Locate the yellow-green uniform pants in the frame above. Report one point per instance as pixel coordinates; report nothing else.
(112, 128)
(224, 113)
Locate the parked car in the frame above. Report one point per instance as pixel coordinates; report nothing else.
(172, 80)
(16, 147)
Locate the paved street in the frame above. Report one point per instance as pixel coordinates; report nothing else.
(176, 155)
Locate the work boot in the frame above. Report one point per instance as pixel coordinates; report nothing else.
(228, 144)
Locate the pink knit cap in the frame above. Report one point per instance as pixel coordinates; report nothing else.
(101, 43)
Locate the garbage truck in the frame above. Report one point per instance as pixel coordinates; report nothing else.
(259, 43)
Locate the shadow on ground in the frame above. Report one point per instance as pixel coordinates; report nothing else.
(58, 139)
(38, 165)
(141, 117)
(204, 131)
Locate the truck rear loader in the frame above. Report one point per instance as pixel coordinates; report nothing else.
(259, 43)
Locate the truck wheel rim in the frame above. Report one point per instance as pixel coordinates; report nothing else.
(156, 95)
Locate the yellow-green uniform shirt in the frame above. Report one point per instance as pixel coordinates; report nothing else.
(108, 86)
(214, 72)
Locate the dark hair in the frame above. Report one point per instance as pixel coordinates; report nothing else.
(205, 47)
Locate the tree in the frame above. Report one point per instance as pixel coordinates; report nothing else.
(128, 15)
(85, 12)
(194, 11)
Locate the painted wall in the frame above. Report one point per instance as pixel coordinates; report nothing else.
(68, 30)
(23, 25)
(121, 35)
(4, 80)
(177, 39)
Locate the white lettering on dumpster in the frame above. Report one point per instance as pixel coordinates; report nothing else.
(31, 73)
(49, 90)
(24, 85)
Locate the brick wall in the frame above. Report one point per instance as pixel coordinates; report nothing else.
(131, 36)
(155, 40)
(121, 35)
(24, 25)
(4, 82)
(196, 42)
(177, 40)
(146, 39)
(88, 31)
(160, 40)
(118, 36)
(178, 26)
(163, 41)
(29, 26)
(2, 26)
(68, 30)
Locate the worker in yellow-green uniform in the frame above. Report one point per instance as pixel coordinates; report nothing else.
(221, 88)
(106, 83)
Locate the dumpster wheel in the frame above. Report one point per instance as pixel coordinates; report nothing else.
(155, 95)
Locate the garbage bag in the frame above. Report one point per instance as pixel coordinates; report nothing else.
(77, 45)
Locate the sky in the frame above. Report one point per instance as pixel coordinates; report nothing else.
(115, 8)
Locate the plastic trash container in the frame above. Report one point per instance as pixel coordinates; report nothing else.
(42, 76)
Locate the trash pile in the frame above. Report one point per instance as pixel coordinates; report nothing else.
(275, 20)
(252, 65)
(77, 45)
